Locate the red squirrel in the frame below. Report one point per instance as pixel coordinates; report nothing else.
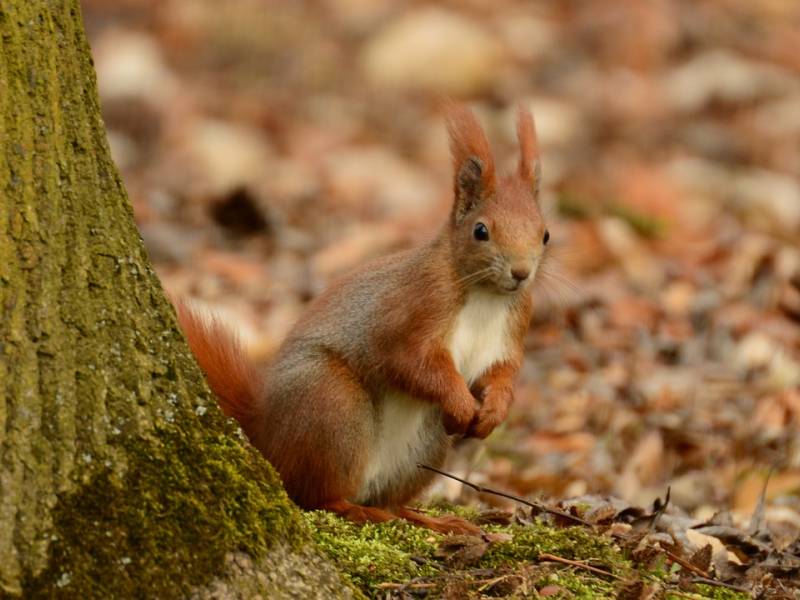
(399, 355)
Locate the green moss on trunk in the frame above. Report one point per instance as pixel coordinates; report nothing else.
(188, 498)
(119, 477)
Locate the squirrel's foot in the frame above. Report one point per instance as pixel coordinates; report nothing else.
(370, 514)
(457, 416)
(358, 513)
(446, 524)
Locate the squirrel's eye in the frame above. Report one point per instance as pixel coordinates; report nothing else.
(481, 232)
(546, 237)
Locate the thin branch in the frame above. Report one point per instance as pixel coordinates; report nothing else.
(495, 580)
(405, 586)
(576, 563)
(659, 510)
(715, 582)
(485, 490)
(426, 585)
(685, 564)
(757, 520)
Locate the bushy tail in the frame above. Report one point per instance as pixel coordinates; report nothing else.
(230, 374)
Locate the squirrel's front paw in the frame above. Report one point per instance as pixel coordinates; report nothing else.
(493, 412)
(457, 416)
(484, 423)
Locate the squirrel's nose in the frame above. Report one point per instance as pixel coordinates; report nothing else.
(520, 275)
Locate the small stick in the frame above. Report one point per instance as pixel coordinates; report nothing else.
(576, 563)
(722, 584)
(421, 585)
(491, 582)
(660, 511)
(485, 490)
(685, 564)
(757, 520)
(405, 586)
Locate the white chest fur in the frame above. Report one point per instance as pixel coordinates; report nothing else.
(399, 444)
(479, 338)
(481, 334)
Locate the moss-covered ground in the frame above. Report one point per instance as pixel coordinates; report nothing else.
(397, 559)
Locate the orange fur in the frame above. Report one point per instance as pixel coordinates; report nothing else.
(467, 140)
(446, 524)
(322, 472)
(529, 165)
(230, 375)
(358, 513)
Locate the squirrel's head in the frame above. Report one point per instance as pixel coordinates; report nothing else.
(498, 236)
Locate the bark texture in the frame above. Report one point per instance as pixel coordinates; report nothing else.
(118, 475)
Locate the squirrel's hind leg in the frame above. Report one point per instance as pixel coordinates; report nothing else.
(318, 431)
(446, 524)
(370, 514)
(358, 513)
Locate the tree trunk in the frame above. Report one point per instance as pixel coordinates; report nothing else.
(119, 477)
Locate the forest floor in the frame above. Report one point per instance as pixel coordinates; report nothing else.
(270, 147)
(603, 553)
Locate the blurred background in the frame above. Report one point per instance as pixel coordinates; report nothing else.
(269, 146)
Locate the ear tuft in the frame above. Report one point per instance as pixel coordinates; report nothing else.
(467, 139)
(469, 187)
(473, 165)
(470, 176)
(529, 164)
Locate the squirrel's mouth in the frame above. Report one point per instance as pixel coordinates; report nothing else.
(511, 288)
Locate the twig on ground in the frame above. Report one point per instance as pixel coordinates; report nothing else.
(686, 564)
(714, 582)
(485, 490)
(405, 586)
(660, 510)
(487, 584)
(426, 585)
(757, 520)
(544, 556)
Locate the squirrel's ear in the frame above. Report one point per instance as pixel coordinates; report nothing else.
(530, 168)
(473, 165)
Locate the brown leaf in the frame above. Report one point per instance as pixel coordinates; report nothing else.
(645, 554)
(630, 590)
(455, 589)
(498, 538)
(603, 513)
(702, 558)
(495, 516)
(460, 551)
(737, 541)
(551, 590)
